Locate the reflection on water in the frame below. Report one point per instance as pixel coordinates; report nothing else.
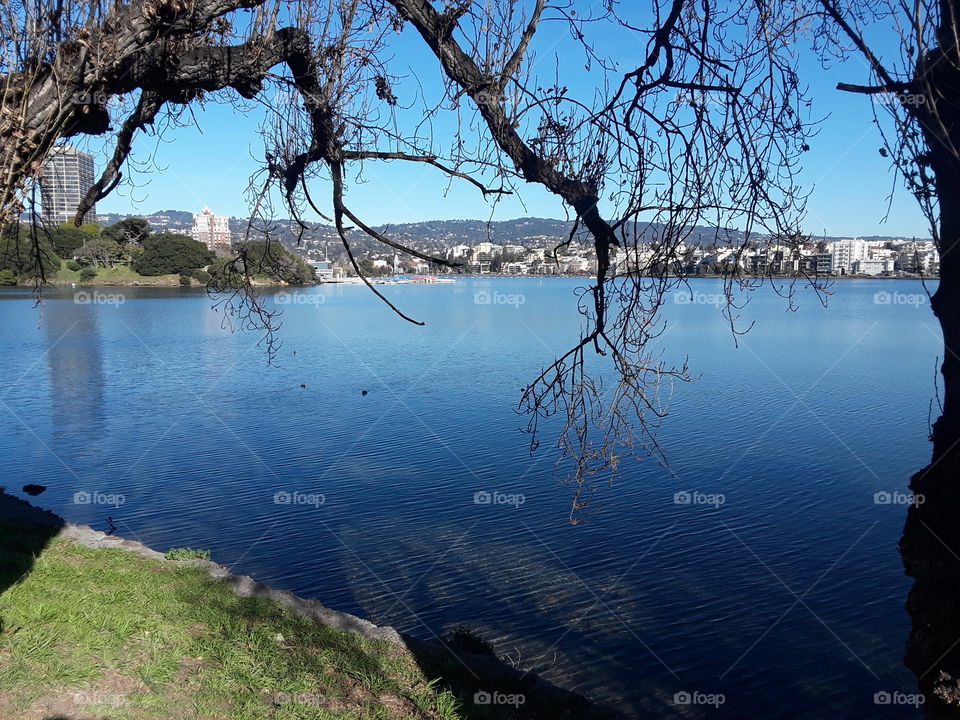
(787, 599)
(75, 364)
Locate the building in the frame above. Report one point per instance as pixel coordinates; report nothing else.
(485, 252)
(822, 263)
(875, 266)
(212, 230)
(323, 269)
(847, 252)
(66, 178)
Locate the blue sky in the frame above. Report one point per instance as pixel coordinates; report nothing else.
(210, 163)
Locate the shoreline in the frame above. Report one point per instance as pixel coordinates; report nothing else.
(434, 657)
(173, 281)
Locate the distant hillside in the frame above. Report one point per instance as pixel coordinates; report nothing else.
(430, 234)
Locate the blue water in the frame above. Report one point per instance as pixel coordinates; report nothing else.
(787, 599)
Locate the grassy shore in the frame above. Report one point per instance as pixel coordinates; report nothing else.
(94, 627)
(104, 633)
(120, 275)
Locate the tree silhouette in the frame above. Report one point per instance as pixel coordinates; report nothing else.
(916, 107)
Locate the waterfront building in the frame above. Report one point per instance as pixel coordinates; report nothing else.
(875, 266)
(66, 178)
(848, 251)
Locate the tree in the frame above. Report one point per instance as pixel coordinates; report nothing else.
(266, 258)
(99, 251)
(127, 231)
(67, 240)
(169, 253)
(916, 107)
(27, 254)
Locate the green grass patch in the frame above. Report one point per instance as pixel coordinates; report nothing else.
(120, 275)
(186, 553)
(110, 633)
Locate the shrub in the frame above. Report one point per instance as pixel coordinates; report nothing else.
(73, 265)
(202, 275)
(184, 279)
(7, 277)
(186, 553)
(88, 273)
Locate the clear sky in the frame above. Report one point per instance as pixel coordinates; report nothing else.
(210, 162)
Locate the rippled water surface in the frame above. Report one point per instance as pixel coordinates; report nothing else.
(787, 599)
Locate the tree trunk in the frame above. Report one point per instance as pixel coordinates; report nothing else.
(930, 545)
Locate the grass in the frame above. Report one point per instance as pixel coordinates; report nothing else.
(120, 275)
(186, 554)
(110, 633)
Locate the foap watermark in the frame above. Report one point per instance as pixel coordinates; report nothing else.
(483, 697)
(700, 98)
(694, 697)
(898, 498)
(93, 697)
(98, 298)
(485, 297)
(912, 100)
(289, 298)
(692, 497)
(493, 98)
(686, 297)
(89, 98)
(884, 297)
(498, 498)
(318, 99)
(283, 497)
(83, 497)
(885, 697)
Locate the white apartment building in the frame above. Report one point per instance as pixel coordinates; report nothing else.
(212, 230)
(67, 176)
(874, 266)
(485, 252)
(846, 252)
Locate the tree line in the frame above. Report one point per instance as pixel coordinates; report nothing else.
(29, 253)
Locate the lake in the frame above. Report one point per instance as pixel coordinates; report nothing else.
(786, 598)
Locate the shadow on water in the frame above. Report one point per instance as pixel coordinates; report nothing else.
(488, 687)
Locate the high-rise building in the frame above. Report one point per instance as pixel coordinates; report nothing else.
(67, 176)
(212, 230)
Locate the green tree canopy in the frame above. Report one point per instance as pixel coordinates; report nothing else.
(268, 258)
(99, 251)
(170, 253)
(130, 230)
(67, 239)
(27, 253)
